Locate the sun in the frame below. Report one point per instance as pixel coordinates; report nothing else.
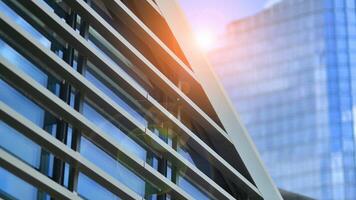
(204, 40)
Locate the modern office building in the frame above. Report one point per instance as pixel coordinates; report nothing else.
(291, 72)
(98, 101)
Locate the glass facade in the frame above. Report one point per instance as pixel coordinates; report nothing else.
(82, 106)
(290, 71)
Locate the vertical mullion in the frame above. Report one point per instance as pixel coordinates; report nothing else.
(162, 168)
(78, 105)
(162, 165)
(62, 129)
(175, 139)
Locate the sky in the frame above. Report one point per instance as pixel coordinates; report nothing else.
(208, 18)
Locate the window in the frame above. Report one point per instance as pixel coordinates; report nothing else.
(118, 96)
(91, 190)
(25, 25)
(114, 167)
(19, 145)
(121, 136)
(192, 190)
(12, 187)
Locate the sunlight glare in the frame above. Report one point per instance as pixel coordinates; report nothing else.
(204, 40)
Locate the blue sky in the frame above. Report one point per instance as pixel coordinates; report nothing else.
(214, 15)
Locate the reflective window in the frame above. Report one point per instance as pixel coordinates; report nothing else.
(19, 145)
(112, 166)
(91, 190)
(135, 107)
(25, 25)
(14, 58)
(109, 128)
(192, 190)
(307, 98)
(22, 105)
(12, 187)
(27, 150)
(118, 96)
(184, 152)
(118, 61)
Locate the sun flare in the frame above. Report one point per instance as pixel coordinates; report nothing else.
(205, 40)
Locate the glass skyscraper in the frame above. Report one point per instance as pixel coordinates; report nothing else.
(291, 72)
(98, 101)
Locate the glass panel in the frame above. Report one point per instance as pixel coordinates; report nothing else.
(148, 117)
(118, 96)
(14, 58)
(23, 64)
(118, 60)
(19, 145)
(40, 159)
(112, 166)
(192, 190)
(91, 190)
(36, 29)
(25, 25)
(19, 103)
(184, 152)
(115, 132)
(10, 186)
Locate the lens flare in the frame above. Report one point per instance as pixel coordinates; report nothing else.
(205, 40)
